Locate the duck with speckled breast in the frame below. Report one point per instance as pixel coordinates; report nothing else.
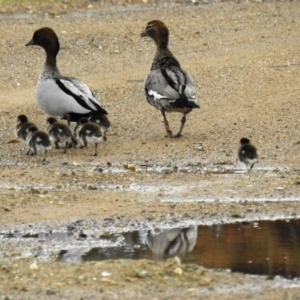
(168, 87)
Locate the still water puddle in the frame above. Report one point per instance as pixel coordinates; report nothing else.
(263, 248)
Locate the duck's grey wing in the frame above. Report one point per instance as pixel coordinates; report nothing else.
(169, 87)
(80, 92)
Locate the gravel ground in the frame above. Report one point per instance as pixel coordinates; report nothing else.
(244, 58)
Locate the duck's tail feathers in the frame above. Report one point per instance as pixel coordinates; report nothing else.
(183, 101)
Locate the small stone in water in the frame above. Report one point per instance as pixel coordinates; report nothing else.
(105, 274)
(130, 167)
(142, 274)
(91, 187)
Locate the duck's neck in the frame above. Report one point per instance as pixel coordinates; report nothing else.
(50, 68)
(164, 58)
(51, 61)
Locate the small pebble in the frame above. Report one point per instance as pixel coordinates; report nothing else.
(178, 271)
(34, 266)
(105, 274)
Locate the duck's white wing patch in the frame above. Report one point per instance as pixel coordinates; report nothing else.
(156, 95)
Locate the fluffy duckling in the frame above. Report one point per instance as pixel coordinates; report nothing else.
(103, 122)
(21, 128)
(60, 133)
(37, 141)
(88, 132)
(60, 96)
(247, 154)
(168, 87)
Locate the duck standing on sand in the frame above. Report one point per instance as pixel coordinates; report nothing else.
(21, 128)
(37, 141)
(60, 133)
(247, 154)
(168, 87)
(60, 96)
(88, 132)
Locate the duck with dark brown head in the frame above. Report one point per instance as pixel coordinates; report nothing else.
(61, 96)
(168, 87)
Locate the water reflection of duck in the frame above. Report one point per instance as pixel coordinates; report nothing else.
(176, 241)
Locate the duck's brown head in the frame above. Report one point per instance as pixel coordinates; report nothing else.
(158, 31)
(47, 39)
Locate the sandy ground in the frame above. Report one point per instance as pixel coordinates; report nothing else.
(245, 62)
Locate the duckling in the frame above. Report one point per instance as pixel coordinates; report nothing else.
(103, 122)
(168, 87)
(60, 133)
(247, 153)
(61, 96)
(21, 128)
(37, 141)
(88, 132)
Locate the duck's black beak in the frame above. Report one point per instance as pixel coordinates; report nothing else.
(30, 43)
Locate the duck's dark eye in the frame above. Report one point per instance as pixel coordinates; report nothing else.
(37, 36)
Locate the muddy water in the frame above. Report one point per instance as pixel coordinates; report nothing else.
(266, 248)
(261, 247)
